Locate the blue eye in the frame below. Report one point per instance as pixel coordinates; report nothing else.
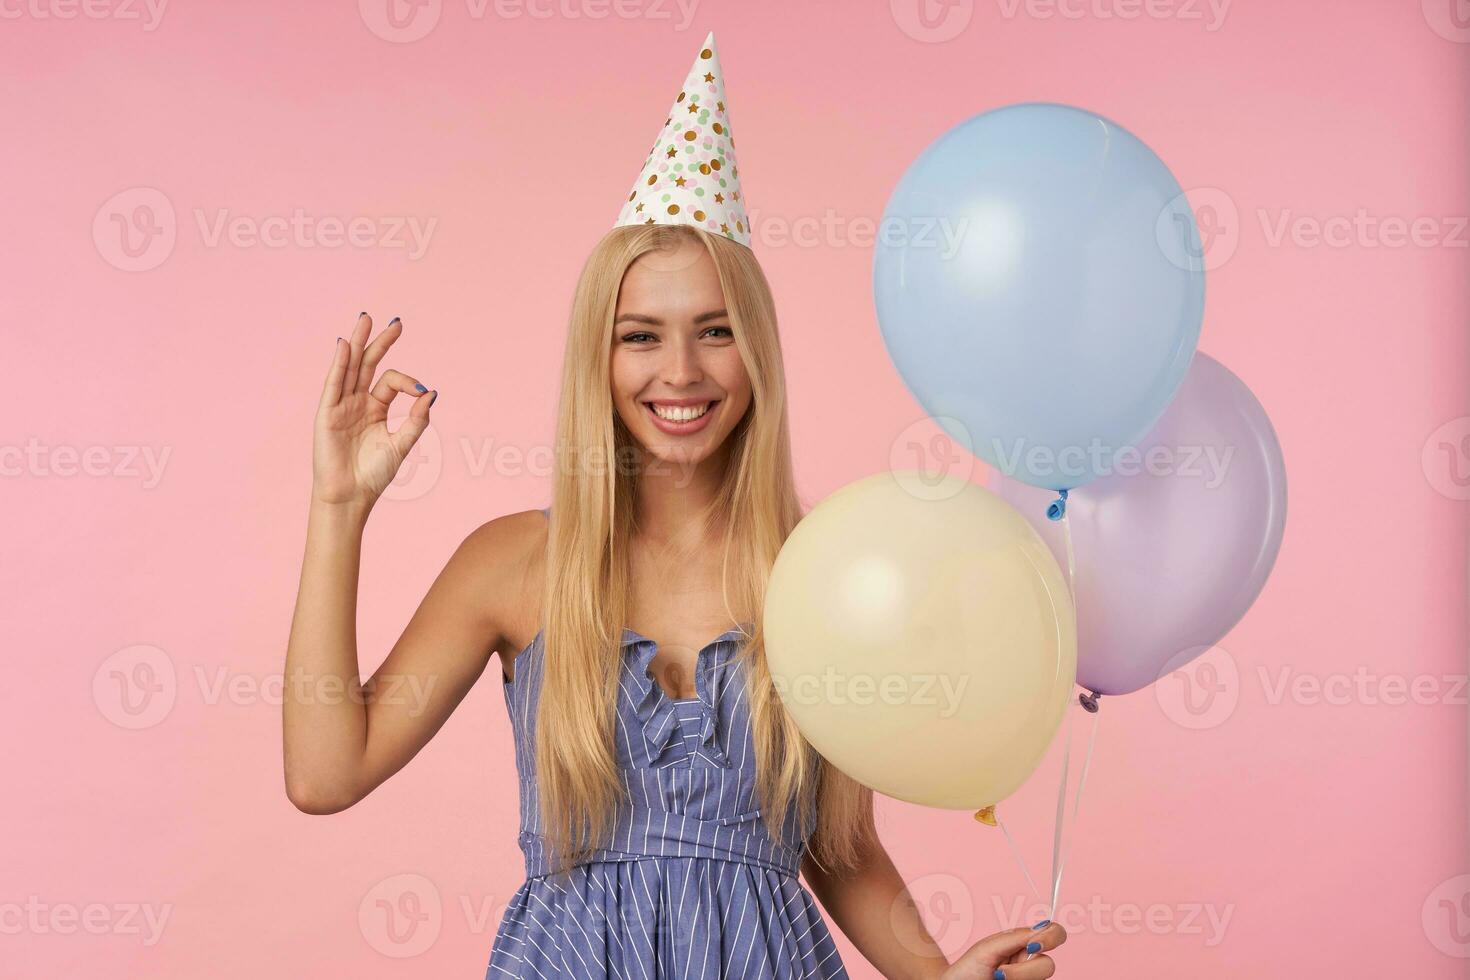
(643, 337)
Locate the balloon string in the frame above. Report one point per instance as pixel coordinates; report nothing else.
(1016, 853)
(1056, 885)
(1059, 854)
(1071, 559)
(1059, 827)
(1058, 858)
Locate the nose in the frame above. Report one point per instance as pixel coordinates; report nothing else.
(681, 365)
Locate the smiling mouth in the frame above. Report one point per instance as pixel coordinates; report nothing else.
(680, 415)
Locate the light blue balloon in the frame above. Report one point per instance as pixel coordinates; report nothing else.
(1040, 287)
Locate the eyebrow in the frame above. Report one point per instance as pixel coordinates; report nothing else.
(654, 321)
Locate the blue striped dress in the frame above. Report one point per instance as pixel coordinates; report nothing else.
(690, 885)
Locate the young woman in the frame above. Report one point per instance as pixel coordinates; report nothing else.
(668, 803)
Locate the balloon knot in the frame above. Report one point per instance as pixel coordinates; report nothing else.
(1089, 701)
(1057, 509)
(986, 816)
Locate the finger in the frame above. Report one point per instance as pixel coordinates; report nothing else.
(393, 382)
(997, 948)
(1039, 967)
(358, 340)
(1050, 936)
(414, 424)
(375, 352)
(332, 388)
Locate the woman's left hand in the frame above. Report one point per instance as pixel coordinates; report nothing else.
(1016, 954)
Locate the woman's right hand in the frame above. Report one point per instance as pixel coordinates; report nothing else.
(354, 456)
(1016, 954)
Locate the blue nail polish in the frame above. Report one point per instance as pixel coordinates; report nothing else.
(420, 388)
(393, 321)
(999, 974)
(1042, 924)
(1033, 947)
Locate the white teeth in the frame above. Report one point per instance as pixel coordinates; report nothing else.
(681, 414)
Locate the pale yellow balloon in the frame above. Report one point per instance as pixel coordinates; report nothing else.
(923, 638)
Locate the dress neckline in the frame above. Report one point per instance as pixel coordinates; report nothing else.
(661, 719)
(632, 637)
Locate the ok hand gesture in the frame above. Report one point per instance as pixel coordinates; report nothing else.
(354, 456)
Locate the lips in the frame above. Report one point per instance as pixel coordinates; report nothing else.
(682, 428)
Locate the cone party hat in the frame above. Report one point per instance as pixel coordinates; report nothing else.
(690, 176)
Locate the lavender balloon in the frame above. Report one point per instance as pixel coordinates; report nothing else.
(1173, 546)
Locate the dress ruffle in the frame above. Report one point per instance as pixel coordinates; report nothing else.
(658, 714)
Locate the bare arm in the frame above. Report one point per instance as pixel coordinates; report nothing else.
(873, 908)
(343, 736)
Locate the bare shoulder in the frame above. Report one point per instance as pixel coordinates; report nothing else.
(500, 566)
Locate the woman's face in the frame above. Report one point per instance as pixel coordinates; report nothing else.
(673, 349)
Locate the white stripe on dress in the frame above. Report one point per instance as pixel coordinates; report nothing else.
(692, 885)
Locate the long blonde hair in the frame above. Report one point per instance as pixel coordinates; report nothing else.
(588, 572)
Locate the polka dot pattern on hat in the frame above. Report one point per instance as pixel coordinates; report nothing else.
(690, 176)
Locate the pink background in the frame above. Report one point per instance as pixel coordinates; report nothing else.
(147, 612)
